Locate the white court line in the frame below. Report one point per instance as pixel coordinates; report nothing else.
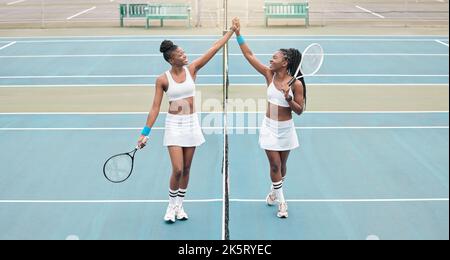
(101, 201)
(7, 45)
(85, 129)
(16, 2)
(218, 76)
(367, 75)
(215, 112)
(232, 54)
(80, 13)
(220, 200)
(351, 200)
(220, 85)
(368, 11)
(441, 42)
(158, 40)
(215, 36)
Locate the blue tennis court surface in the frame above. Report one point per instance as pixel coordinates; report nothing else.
(136, 60)
(355, 175)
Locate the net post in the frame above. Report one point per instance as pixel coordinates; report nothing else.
(225, 174)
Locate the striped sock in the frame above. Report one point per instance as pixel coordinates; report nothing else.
(278, 188)
(282, 180)
(173, 197)
(181, 195)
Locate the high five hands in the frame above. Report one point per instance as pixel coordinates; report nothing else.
(236, 25)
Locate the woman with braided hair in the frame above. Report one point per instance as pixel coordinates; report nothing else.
(277, 134)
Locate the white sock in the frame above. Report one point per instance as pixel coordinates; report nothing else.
(278, 188)
(173, 197)
(181, 195)
(271, 185)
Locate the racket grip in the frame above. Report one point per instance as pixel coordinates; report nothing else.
(146, 140)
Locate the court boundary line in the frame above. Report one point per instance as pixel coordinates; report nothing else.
(231, 112)
(84, 129)
(441, 42)
(370, 12)
(349, 200)
(217, 84)
(81, 13)
(446, 36)
(199, 54)
(15, 2)
(362, 75)
(212, 39)
(221, 200)
(7, 45)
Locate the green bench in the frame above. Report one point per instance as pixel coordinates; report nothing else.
(286, 11)
(132, 11)
(168, 11)
(155, 12)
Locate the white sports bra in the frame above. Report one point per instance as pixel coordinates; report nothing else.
(178, 91)
(276, 97)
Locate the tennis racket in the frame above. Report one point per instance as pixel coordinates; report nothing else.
(118, 168)
(312, 59)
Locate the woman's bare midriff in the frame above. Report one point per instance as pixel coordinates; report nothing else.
(278, 113)
(182, 106)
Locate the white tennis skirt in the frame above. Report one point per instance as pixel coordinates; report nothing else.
(278, 135)
(183, 131)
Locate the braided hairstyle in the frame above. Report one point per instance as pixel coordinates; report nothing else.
(294, 57)
(167, 47)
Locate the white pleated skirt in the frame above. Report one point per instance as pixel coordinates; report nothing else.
(278, 135)
(183, 131)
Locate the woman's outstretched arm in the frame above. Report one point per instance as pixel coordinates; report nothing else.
(197, 64)
(251, 58)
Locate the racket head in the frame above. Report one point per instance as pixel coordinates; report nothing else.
(118, 168)
(312, 60)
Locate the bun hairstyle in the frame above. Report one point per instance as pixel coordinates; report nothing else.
(167, 47)
(294, 57)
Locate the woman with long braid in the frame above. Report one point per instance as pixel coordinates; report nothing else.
(277, 134)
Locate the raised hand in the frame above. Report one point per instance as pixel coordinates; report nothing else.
(236, 24)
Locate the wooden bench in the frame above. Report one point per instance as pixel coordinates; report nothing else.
(155, 12)
(132, 11)
(286, 11)
(168, 11)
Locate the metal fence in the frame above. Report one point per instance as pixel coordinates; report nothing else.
(208, 13)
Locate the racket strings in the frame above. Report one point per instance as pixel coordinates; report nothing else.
(312, 60)
(118, 168)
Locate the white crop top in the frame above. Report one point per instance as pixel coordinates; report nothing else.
(276, 96)
(178, 91)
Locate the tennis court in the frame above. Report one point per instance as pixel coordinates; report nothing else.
(379, 185)
(372, 163)
(75, 89)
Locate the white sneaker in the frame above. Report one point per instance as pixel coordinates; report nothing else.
(181, 214)
(271, 198)
(282, 210)
(170, 214)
